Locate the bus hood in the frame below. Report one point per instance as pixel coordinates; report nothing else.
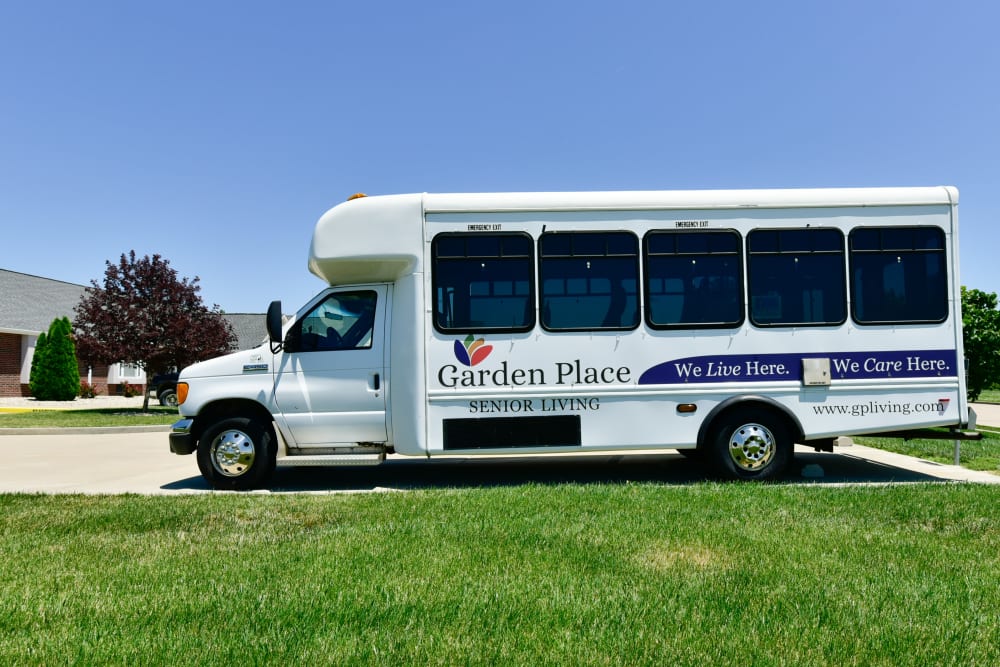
(255, 361)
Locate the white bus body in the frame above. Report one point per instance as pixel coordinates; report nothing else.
(729, 322)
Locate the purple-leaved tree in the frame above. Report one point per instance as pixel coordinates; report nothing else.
(145, 315)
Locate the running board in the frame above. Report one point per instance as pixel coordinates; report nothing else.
(323, 460)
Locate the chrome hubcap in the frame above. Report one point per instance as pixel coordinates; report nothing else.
(751, 447)
(232, 453)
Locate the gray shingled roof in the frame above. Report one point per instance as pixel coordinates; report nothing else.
(28, 304)
(250, 328)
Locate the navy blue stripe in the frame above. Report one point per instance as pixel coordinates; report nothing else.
(770, 367)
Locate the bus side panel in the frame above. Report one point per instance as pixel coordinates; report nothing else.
(565, 422)
(874, 410)
(621, 389)
(406, 392)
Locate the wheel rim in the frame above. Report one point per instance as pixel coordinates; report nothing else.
(232, 453)
(751, 447)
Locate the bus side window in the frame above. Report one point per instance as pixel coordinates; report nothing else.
(898, 274)
(483, 282)
(589, 280)
(693, 279)
(796, 277)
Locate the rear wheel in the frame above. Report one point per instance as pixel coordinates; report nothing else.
(237, 453)
(750, 444)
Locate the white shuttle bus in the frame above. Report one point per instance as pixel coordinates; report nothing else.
(726, 324)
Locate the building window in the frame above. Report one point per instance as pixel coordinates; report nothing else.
(129, 372)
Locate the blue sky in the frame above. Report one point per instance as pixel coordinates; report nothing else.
(216, 133)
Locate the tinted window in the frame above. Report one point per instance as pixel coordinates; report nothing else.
(693, 279)
(898, 274)
(483, 282)
(796, 277)
(589, 280)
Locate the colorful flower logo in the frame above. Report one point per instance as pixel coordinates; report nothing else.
(471, 351)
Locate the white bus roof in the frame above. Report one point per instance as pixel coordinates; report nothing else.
(687, 199)
(380, 239)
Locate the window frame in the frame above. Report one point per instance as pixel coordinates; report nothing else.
(532, 296)
(648, 276)
(571, 234)
(841, 252)
(294, 337)
(942, 251)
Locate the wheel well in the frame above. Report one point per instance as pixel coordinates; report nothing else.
(761, 404)
(227, 408)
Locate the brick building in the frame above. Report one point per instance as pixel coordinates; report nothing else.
(29, 304)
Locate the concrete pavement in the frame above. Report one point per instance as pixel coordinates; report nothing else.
(988, 414)
(78, 462)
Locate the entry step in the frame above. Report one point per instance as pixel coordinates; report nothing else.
(323, 460)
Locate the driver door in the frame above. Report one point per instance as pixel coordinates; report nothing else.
(329, 386)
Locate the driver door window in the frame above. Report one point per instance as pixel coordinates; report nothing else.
(343, 321)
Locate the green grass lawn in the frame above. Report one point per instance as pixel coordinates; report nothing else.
(990, 396)
(708, 574)
(44, 418)
(975, 454)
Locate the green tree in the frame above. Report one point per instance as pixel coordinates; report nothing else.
(57, 371)
(36, 364)
(981, 335)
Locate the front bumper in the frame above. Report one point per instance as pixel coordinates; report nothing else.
(181, 441)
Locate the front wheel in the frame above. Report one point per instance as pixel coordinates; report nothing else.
(751, 445)
(237, 453)
(167, 398)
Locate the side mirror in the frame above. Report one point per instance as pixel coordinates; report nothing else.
(274, 324)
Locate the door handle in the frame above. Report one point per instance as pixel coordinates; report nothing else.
(376, 382)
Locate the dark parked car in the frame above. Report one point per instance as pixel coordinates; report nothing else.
(164, 387)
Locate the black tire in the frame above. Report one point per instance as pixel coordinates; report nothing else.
(750, 444)
(167, 397)
(236, 454)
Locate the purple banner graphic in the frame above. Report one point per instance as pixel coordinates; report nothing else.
(771, 367)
